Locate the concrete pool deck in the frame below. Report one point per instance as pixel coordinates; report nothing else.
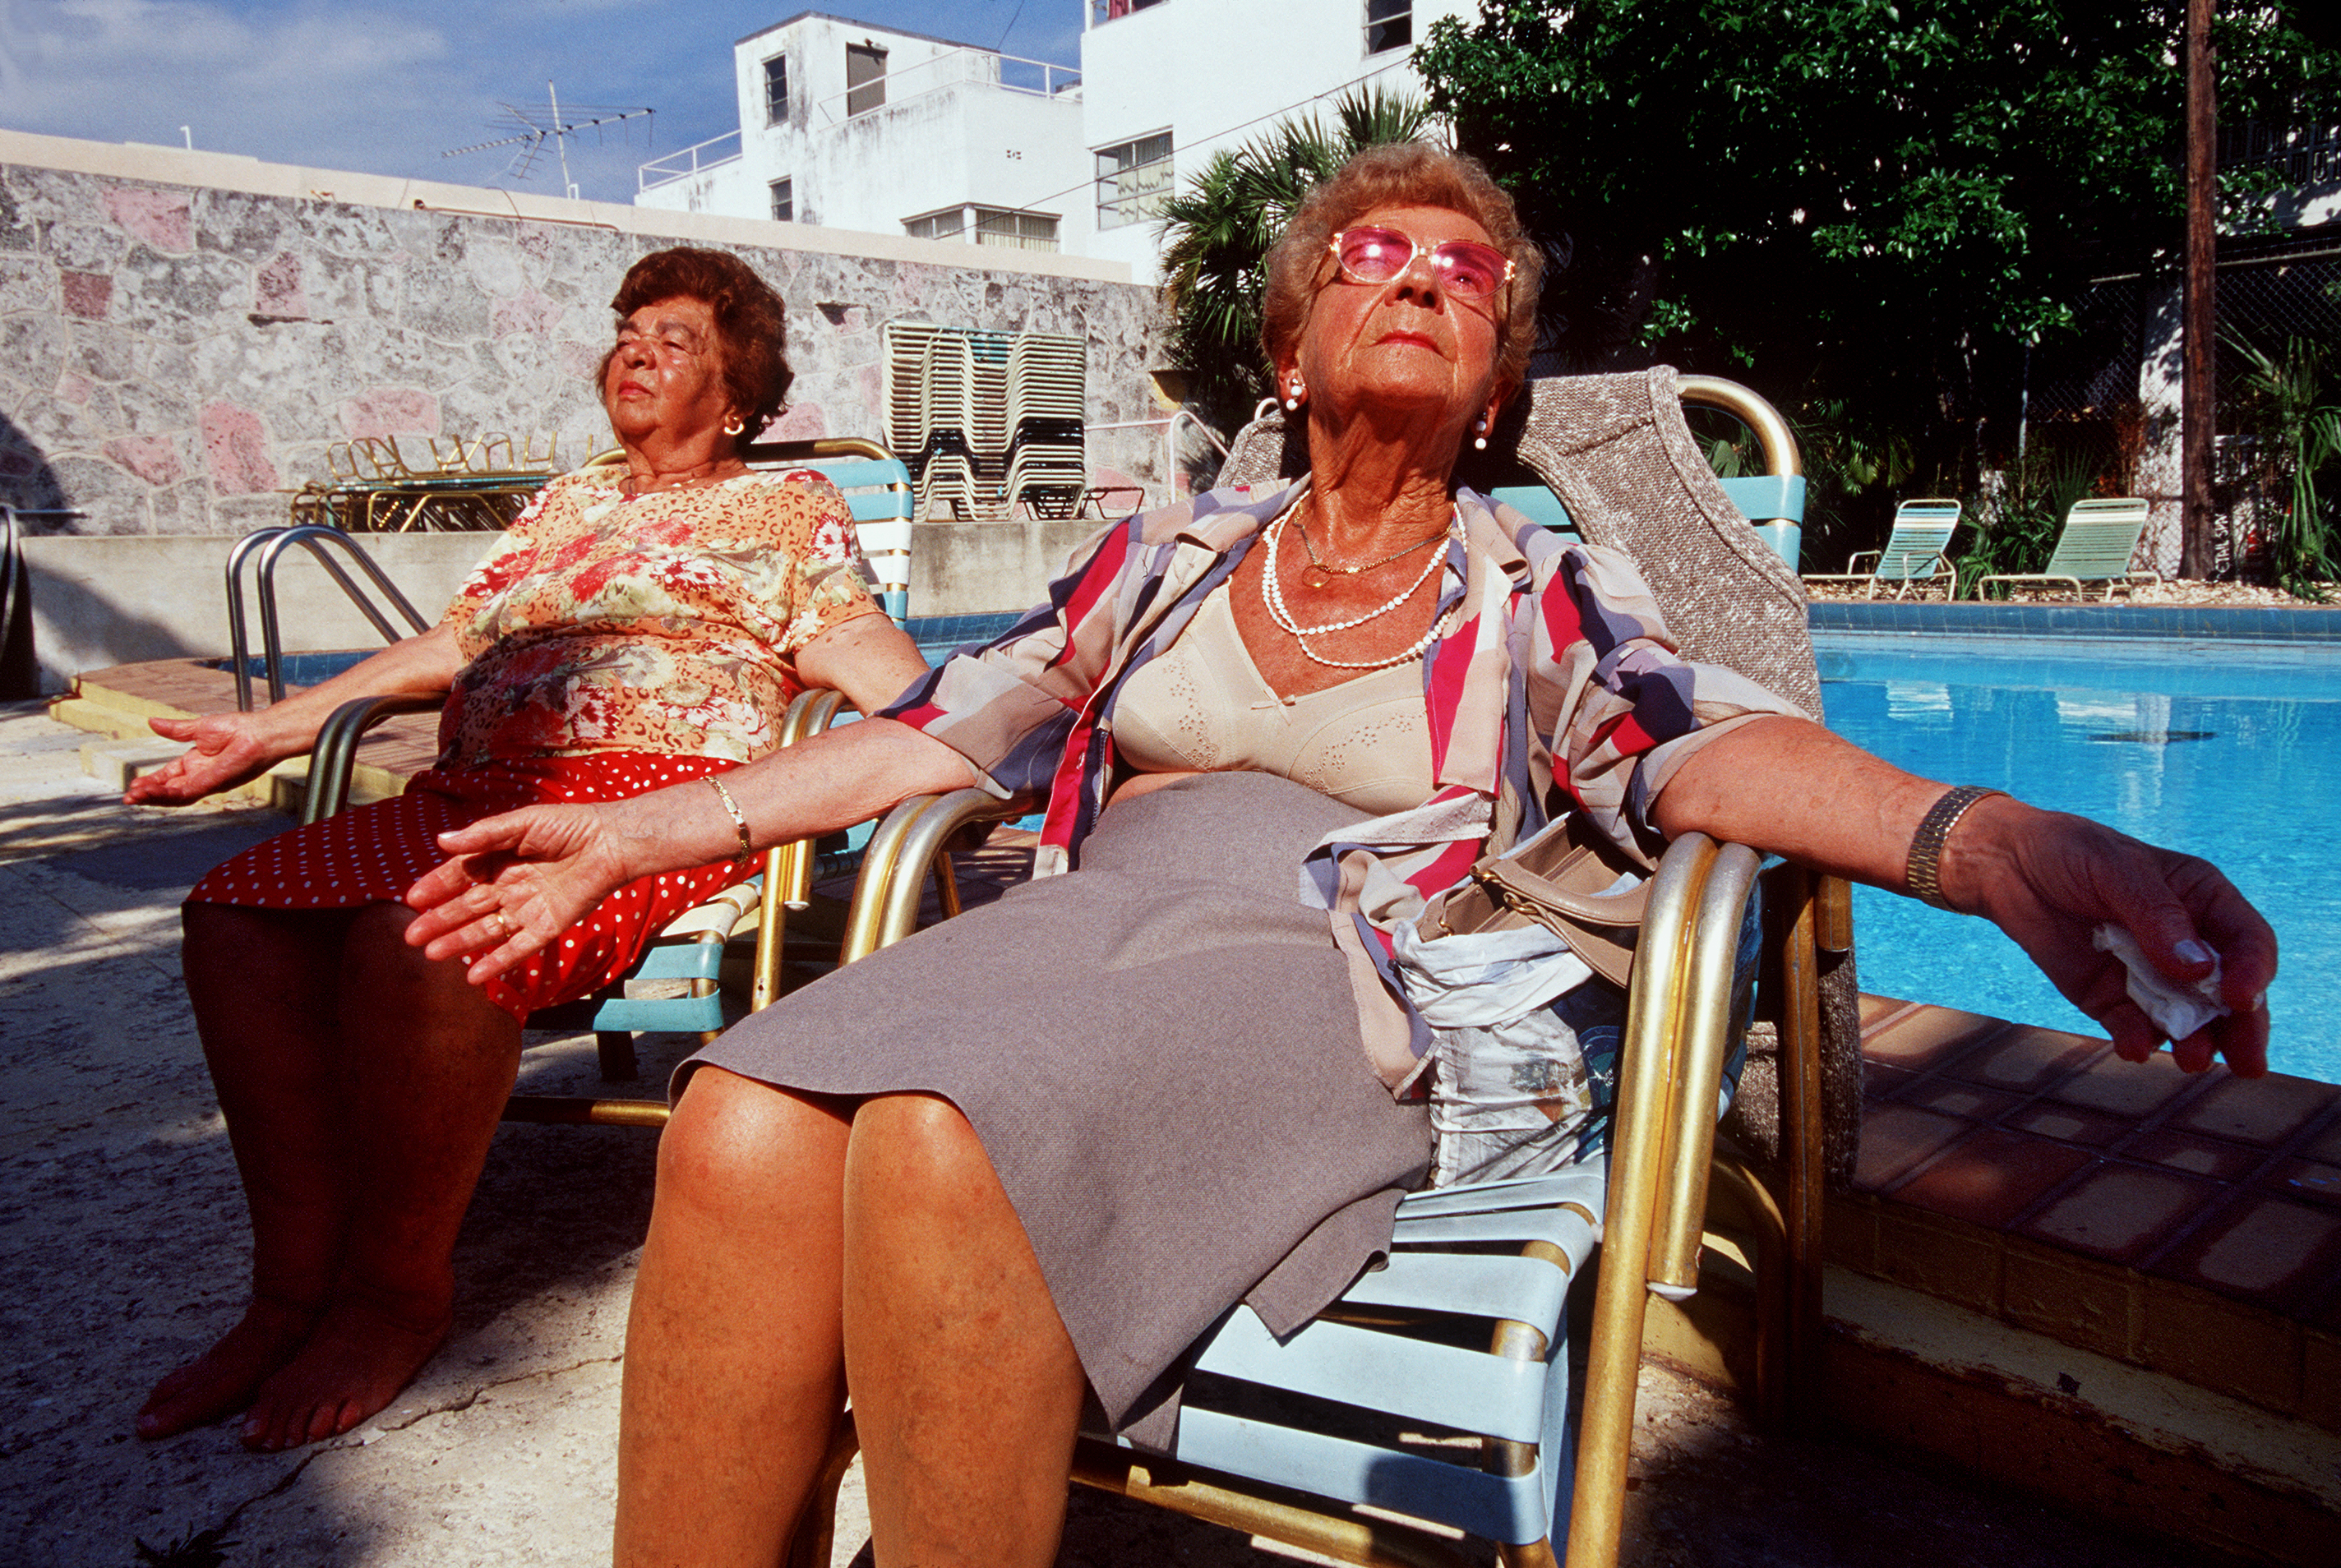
(126, 1250)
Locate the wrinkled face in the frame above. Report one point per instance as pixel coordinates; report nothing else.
(1409, 342)
(665, 375)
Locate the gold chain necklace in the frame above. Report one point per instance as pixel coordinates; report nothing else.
(1323, 565)
(633, 487)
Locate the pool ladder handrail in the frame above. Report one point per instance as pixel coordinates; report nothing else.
(271, 543)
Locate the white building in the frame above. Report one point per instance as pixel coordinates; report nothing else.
(852, 126)
(858, 127)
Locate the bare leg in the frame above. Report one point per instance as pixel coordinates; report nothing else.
(260, 981)
(966, 1388)
(734, 1366)
(422, 1066)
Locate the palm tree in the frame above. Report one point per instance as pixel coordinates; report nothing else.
(1217, 233)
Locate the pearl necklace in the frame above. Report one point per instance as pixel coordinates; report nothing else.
(1272, 594)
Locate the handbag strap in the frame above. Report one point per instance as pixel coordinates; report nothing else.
(1523, 891)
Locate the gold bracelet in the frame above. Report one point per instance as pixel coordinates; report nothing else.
(747, 845)
(1921, 875)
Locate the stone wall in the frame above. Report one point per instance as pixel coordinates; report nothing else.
(183, 336)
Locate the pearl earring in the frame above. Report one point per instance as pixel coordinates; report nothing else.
(1293, 402)
(1480, 441)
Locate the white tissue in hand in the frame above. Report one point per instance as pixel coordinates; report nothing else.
(2176, 1011)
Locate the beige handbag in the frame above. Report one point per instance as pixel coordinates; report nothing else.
(1566, 881)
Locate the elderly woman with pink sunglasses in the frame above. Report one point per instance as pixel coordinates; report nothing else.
(1006, 1171)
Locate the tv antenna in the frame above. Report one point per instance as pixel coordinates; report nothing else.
(533, 127)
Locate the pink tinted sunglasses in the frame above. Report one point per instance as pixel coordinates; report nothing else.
(1465, 268)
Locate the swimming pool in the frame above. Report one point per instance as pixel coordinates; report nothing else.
(2230, 750)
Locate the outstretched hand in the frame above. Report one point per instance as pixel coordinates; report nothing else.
(2049, 880)
(228, 750)
(514, 883)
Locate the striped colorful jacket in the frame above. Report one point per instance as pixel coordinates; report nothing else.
(1554, 687)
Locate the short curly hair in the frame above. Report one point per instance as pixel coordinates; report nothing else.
(1400, 173)
(750, 321)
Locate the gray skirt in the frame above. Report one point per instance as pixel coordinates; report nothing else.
(1160, 1053)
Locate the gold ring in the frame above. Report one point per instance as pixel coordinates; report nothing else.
(497, 917)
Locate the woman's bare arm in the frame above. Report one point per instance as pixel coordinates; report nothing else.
(870, 658)
(2047, 878)
(231, 748)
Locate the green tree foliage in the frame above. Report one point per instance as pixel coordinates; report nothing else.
(2294, 412)
(1859, 205)
(1217, 231)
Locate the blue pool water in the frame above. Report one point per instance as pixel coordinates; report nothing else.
(300, 669)
(2229, 751)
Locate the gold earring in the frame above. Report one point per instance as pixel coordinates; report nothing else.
(733, 425)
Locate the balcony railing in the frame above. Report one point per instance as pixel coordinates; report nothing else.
(2304, 154)
(976, 67)
(690, 161)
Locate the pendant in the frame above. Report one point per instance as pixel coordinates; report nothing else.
(1315, 576)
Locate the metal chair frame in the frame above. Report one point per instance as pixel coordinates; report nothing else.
(1507, 1252)
(691, 950)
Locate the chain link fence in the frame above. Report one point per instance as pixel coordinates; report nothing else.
(2099, 408)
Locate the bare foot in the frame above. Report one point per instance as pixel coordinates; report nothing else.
(228, 1376)
(356, 1360)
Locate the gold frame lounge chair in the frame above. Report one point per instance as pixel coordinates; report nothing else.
(1917, 553)
(1459, 1338)
(2094, 550)
(676, 986)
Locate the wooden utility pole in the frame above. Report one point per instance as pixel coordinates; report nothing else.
(2198, 395)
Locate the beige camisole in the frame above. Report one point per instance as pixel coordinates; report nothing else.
(1203, 704)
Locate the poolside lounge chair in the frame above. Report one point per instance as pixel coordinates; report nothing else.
(675, 986)
(1334, 1413)
(2093, 552)
(1915, 555)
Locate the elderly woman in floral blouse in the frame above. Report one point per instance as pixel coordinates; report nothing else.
(636, 628)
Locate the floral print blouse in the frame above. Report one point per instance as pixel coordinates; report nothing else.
(667, 623)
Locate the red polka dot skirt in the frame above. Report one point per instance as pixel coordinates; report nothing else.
(373, 854)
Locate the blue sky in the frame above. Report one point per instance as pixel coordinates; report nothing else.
(387, 86)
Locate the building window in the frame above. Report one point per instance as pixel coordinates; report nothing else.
(865, 78)
(993, 227)
(1018, 231)
(1390, 25)
(784, 201)
(1133, 181)
(776, 90)
(948, 225)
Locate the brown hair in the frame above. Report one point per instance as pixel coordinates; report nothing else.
(1400, 173)
(751, 322)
